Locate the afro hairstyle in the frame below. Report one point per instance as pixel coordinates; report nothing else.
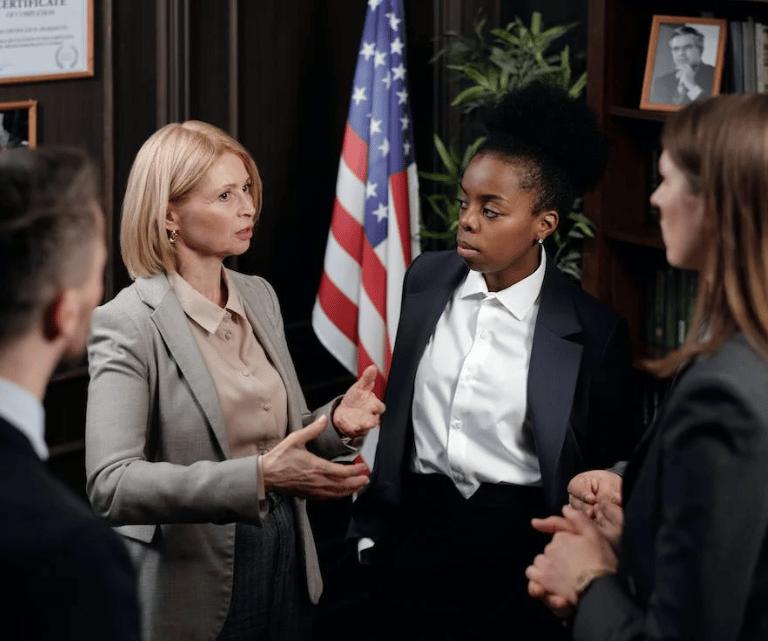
(555, 139)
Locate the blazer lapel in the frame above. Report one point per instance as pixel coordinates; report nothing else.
(266, 336)
(641, 450)
(552, 375)
(421, 310)
(172, 323)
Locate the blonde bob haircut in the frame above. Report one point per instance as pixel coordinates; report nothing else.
(170, 165)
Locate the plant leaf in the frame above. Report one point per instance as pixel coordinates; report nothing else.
(536, 22)
(470, 151)
(578, 86)
(447, 179)
(472, 93)
(445, 156)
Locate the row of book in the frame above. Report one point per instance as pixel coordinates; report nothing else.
(748, 56)
(654, 179)
(669, 306)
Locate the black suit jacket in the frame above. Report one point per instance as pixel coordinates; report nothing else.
(65, 574)
(693, 560)
(580, 391)
(665, 87)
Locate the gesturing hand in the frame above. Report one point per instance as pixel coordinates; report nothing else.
(686, 76)
(290, 468)
(559, 605)
(359, 410)
(597, 494)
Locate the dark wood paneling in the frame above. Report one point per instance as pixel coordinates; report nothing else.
(209, 45)
(297, 62)
(135, 99)
(74, 112)
(278, 75)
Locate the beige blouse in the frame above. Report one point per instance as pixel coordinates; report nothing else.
(252, 394)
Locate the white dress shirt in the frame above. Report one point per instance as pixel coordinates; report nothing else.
(470, 396)
(22, 409)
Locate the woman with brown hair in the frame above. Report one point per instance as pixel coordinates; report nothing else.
(692, 560)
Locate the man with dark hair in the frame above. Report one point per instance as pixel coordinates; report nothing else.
(692, 78)
(65, 575)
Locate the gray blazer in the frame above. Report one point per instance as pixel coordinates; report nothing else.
(157, 456)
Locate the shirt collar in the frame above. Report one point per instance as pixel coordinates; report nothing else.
(204, 312)
(25, 412)
(518, 298)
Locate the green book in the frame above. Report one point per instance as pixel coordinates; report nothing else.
(671, 307)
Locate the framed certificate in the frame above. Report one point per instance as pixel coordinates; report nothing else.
(45, 40)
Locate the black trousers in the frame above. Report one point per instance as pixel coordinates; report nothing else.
(455, 569)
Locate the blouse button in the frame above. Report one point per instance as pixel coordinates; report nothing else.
(246, 372)
(266, 407)
(227, 335)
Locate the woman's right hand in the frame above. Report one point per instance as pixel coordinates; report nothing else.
(291, 469)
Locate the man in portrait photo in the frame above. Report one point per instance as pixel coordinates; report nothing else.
(14, 128)
(691, 78)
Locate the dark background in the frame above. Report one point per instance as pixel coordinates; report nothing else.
(277, 75)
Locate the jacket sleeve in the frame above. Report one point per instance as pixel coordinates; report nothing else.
(329, 444)
(123, 483)
(712, 488)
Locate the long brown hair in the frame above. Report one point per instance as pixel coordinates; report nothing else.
(721, 146)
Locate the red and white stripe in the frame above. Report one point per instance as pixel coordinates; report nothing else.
(358, 302)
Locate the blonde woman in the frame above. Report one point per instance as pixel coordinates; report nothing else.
(199, 444)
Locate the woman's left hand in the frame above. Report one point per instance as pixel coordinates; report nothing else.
(570, 554)
(359, 410)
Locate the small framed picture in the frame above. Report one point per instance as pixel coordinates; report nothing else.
(18, 124)
(684, 63)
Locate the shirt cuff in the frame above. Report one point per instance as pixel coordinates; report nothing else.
(261, 494)
(364, 548)
(352, 442)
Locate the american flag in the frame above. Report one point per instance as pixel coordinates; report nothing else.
(373, 235)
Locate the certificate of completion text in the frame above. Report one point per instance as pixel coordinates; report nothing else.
(45, 39)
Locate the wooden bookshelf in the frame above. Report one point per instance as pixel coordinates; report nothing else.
(620, 262)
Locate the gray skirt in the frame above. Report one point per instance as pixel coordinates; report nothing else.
(269, 594)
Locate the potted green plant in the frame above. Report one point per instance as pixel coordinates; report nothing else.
(489, 63)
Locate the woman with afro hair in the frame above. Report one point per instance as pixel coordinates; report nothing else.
(507, 381)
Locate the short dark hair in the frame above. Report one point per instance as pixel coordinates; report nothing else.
(48, 217)
(685, 30)
(554, 137)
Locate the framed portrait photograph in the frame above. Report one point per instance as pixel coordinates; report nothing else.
(684, 63)
(18, 124)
